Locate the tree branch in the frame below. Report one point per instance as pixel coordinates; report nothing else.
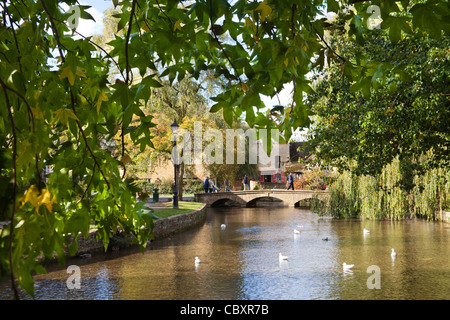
(14, 191)
(30, 112)
(128, 80)
(220, 45)
(55, 30)
(162, 11)
(327, 45)
(127, 39)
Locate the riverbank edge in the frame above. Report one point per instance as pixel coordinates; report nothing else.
(163, 227)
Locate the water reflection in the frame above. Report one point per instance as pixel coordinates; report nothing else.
(241, 261)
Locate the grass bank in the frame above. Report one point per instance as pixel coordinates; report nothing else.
(183, 207)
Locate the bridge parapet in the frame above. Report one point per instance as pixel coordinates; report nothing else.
(289, 197)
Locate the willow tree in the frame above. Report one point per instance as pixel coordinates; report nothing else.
(56, 97)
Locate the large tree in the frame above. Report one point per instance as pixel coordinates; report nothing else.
(407, 117)
(58, 104)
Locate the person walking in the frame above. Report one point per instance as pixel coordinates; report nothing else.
(206, 185)
(246, 186)
(290, 181)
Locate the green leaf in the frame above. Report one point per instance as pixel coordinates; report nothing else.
(250, 116)
(228, 115)
(84, 14)
(62, 115)
(73, 248)
(149, 81)
(366, 87)
(218, 106)
(26, 281)
(425, 19)
(78, 222)
(332, 5)
(396, 25)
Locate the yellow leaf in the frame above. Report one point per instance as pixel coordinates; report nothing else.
(265, 9)
(245, 87)
(177, 25)
(286, 62)
(102, 97)
(63, 115)
(67, 73)
(249, 23)
(31, 196)
(37, 113)
(44, 198)
(80, 72)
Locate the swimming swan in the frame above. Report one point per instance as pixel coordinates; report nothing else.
(347, 266)
(281, 257)
(393, 253)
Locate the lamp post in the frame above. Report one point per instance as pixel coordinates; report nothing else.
(174, 128)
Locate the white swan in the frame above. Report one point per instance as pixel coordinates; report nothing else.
(393, 253)
(347, 266)
(281, 257)
(223, 226)
(197, 260)
(296, 231)
(366, 231)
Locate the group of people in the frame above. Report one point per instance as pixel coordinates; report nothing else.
(209, 186)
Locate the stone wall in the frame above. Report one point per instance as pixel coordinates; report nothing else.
(179, 222)
(162, 227)
(267, 185)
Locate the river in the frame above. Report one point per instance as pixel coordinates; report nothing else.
(241, 261)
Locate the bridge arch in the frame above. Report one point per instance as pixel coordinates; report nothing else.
(227, 201)
(253, 202)
(307, 202)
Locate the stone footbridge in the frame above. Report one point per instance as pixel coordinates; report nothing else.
(248, 198)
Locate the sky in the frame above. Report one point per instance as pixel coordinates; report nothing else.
(89, 27)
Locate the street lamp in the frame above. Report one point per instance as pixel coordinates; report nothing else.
(174, 128)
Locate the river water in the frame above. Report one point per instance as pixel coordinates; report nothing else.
(241, 261)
